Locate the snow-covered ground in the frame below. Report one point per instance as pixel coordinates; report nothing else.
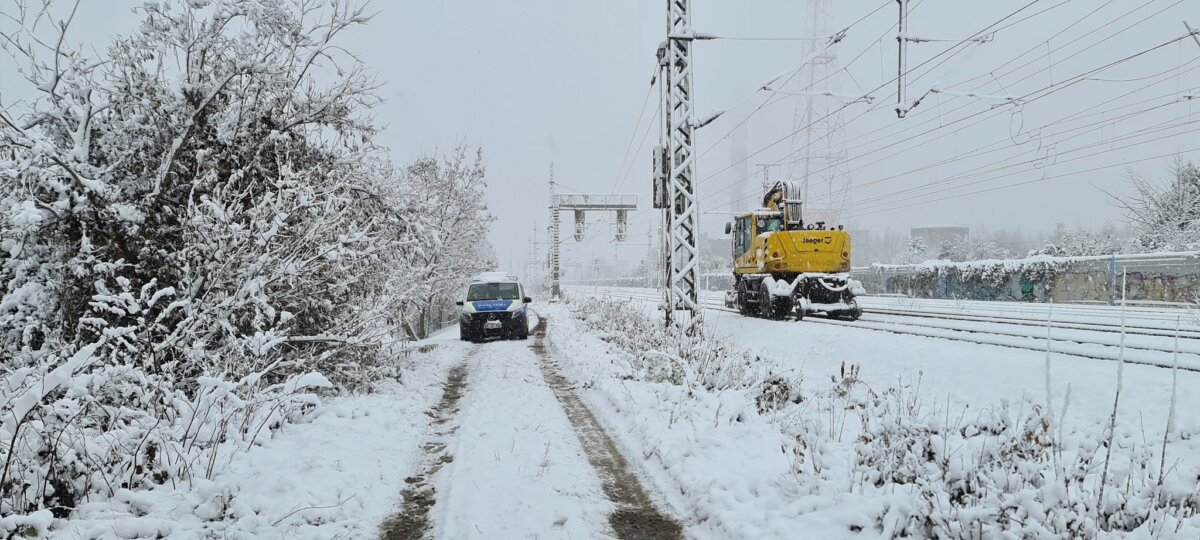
(336, 475)
(743, 483)
(518, 469)
(793, 431)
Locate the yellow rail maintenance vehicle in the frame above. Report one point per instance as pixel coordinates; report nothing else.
(784, 267)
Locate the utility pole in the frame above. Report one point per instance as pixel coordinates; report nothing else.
(679, 129)
(766, 176)
(902, 58)
(555, 290)
(531, 258)
(818, 122)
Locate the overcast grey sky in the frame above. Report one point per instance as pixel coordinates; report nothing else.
(537, 81)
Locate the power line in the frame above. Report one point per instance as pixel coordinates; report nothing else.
(1062, 175)
(767, 101)
(1059, 121)
(885, 200)
(641, 146)
(1037, 94)
(991, 148)
(1071, 81)
(633, 136)
(912, 139)
(838, 110)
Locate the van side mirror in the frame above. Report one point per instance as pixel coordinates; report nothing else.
(728, 227)
(458, 303)
(527, 300)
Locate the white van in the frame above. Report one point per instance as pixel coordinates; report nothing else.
(494, 305)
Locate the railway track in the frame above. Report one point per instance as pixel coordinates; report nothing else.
(1146, 345)
(1026, 321)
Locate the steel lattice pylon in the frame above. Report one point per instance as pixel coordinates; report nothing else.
(679, 130)
(555, 274)
(818, 124)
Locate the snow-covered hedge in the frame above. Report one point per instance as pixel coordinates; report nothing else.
(992, 271)
(197, 237)
(1151, 276)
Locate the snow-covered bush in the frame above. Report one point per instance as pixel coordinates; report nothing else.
(196, 230)
(886, 459)
(1003, 472)
(660, 354)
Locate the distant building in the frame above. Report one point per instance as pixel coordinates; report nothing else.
(933, 235)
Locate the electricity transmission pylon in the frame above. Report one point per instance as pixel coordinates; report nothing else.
(675, 175)
(819, 123)
(555, 275)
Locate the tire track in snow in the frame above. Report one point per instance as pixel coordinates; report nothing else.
(412, 521)
(636, 517)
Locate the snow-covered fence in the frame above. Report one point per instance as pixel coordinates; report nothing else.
(1164, 277)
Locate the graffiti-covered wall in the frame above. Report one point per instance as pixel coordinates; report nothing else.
(1164, 277)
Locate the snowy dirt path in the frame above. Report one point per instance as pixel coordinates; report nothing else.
(412, 522)
(636, 515)
(516, 457)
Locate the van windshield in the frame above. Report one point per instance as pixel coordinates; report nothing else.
(493, 291)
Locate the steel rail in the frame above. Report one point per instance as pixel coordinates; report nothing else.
(980, 336)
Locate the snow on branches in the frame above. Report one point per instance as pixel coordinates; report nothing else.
(196, 234)
(1166, 217)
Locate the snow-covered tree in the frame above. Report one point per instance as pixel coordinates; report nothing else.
(453, 204)
(975, 247)
(195, 227)
(1080, 242)
(914, 252)
(1165, 216)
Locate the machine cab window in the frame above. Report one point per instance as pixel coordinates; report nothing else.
(769, 223)
(741, 236)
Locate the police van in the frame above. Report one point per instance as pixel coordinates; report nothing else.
(495, 305)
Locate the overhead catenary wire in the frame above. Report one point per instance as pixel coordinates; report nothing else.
(769, 99)
(874, 142)
(914, 139)
(900, 151)
(641, 147)
(1124, 163)
(636, 125)
(840, 109)
(983, 170)
(1050, 89)
(1168, 100)
(1058, 86)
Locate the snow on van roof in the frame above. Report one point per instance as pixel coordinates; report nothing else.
(494, 277)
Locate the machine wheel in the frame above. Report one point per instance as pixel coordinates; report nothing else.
(799, 301)
(770, 307)
(742, 305)
(854, 312)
